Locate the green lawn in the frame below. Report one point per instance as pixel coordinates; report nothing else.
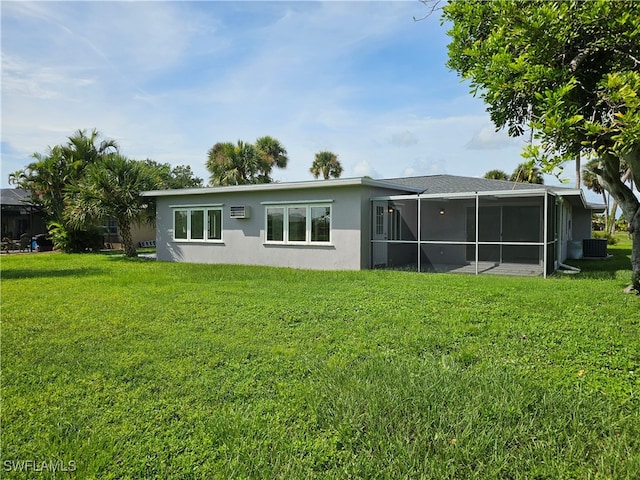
(117, 368)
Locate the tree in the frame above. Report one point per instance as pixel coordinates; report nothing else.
(231, 164)
(49, 178)
(272, 154)
(45, 179)
(174, 178)
(111, 189)
(245, 163)
(527, 172)
(496, 175)
(81, 148)
(52, 173)
(327, 165)
(183, 177)
(570, 71)
(590, 180)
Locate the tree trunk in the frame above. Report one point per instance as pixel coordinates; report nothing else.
(634, 230)
(127, 242)
(609, 176)
(606, 208)
(612, 227)
(611, 221)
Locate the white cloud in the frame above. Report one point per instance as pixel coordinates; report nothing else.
(487, 138)
(364, 169)
(33, 81)
(169, 79)
(403, 139)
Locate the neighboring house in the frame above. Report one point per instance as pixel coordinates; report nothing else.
(141, 234)
(18, 215)
(433, 223)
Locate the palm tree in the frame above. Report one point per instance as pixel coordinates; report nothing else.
(46, 180)
(53, 174)
(590, 180)
(496, 175)
(244, 162)
(111, 189)
(527, 172)
(272, 154)
(231, 164)
(326, 164)
(81, 148)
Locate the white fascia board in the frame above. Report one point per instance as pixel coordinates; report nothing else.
(410, 196)
(575, 192)
(340, 182)
(525, 192)
(538, 192)
(301, 202)
(198, 205)
(596, 207)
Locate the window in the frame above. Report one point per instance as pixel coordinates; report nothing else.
(297, 217)
(214, 224)
(180, 224)
(320, 224)
(379, 220)
(197, 224)
(298, 224)
(275, 224)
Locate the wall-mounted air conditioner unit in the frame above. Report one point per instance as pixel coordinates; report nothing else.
(239, 211)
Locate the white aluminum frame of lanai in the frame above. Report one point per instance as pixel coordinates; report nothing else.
(471, 232)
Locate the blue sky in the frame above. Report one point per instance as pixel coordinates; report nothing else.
(167, 80)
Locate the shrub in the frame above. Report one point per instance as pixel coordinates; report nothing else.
(611, 239)
(71, 240)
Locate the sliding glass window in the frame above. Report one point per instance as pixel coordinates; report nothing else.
(298, 224)
(198, 224)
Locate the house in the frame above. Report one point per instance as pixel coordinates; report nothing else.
(437, 223)
(142, 234)
(19, 216)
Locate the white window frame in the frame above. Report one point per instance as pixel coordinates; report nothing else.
(188, 209)
(285, 223)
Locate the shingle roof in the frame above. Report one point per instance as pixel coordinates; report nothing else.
(457, 184)
(13, 196)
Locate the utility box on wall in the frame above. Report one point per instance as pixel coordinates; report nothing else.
(239, 211)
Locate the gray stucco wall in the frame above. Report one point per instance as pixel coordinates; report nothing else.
(243, 240)
(581, 223)
(575, 226)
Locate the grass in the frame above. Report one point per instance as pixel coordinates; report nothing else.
(118, 368)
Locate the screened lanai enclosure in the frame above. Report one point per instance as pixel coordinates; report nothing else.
(506, 232)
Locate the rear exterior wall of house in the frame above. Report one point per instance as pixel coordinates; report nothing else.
(318, 228)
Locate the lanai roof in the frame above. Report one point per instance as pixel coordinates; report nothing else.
(447, 184)
(14, 196)
(456, 184)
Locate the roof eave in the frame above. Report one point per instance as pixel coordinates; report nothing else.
(340, 182)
